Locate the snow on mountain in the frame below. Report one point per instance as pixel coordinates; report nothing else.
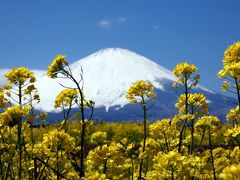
(3, 80)
(107, 76)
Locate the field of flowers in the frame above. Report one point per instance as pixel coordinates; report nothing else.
(191, 145)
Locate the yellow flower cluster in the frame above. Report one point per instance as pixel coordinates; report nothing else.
(207, 122)
(56, 146)
(179, 118)
(94, 175)
(168, 166)
(230, 172)
(225, 86)
(233, 132)
(196, 102)
(56, 66)
(66, 97)
(232, 53)
(231, 64)
(32, 91)
(233, 70)
(233, 115)
(140, 89)
(107, 158)
(160, 126)
(59, 139)
(98, 137)
(20, 75)
(2, 99)
(164, 132)
(184, 70)
(14, 114)
(56, 140)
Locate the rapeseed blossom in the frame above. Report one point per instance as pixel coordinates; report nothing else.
(140, 89)
(14, 114)
(197, 103)
(19, 76)
(66, 97)
(183, 71)
(56, 66)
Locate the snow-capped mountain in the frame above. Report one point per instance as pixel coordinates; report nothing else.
(108, 74)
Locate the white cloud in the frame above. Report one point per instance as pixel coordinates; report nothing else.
(156, 27)
(109, 22)
(122, 19)
(104, 23)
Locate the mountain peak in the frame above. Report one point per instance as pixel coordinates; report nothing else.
(107, 75)
(123, 61)
(114, 50)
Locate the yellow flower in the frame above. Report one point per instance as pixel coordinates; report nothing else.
(184, 69)
(59, 140)
(225, 86)
(140, 89)
(231, 172)
(232, 53)
(19, 76)
(2, 99)
(233, 70)
(233, 132)
(66, 97)
(231, 65)
(234, 115)
(56, 66)
(14, 114)
(98, 137)
(196, 101)
(164, 132)
(168, 166)
(207, 121)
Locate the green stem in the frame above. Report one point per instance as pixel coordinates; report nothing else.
(35, 168)
(167, 144)
(132, 169)
(58, 178)
(186, 112)
(20, 135)
(172, 173)
(238, 95)
(1, 167)
(202, 137)
(211, 153)
(145, 135)
(83, 124)
(105, 166)
(192, 132)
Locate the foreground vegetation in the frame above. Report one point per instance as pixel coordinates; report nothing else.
(191, 145)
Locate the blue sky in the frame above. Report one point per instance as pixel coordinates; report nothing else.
(166, 31)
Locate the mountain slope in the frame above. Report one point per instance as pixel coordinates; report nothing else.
(107, 75)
